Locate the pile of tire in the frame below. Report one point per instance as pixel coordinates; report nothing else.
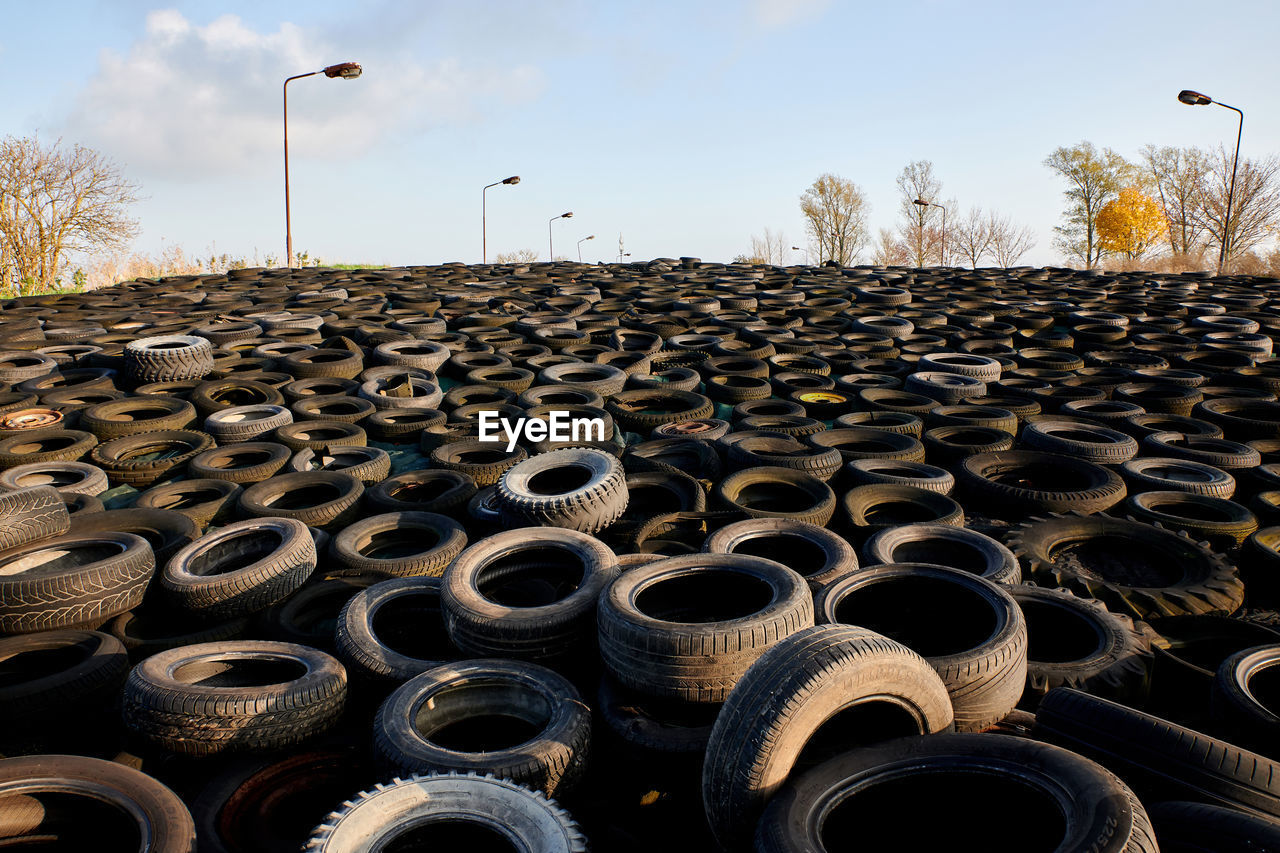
(849, 541)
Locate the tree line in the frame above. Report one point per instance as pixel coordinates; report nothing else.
(1166, 210)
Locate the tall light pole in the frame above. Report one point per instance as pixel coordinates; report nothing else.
(1195, 99)
(806, 253)
(484, 237)
(923, 203)
(551, 249)
(580, 242)
(344, 71)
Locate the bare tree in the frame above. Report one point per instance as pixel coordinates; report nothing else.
(770, 249)
(1009, 242)
(1255, 210)
(917, 181)
(972, 236)
(56, 202)
(889, 251)
(835, 211)
(1093, 179)
(1177, 178)
(519, 256)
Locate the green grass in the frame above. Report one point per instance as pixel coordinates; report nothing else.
(356, 266)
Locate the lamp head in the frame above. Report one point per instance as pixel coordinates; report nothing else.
(1194, 99)
(568, 215)
(345, 70)
(921, 202)
(513, 180)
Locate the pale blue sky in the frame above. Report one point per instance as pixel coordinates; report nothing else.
(686, 127)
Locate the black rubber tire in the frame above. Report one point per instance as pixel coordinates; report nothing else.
(148, 632)
(1244, 698)
(204, 501)
(167, 358)
(787, 696)
(308, 617)
(148, 811)
(903, 422)
(393, 630)
(969, 629)
(771, 492)
(81, 580)
(705, 429)
(332, 407)
(399, 544)
(1218, 452)
(550, 757)
(246, 423)
(1223, 524)
(323, 362)
(877, 506)
(125, 459)
(483, 461)
(696, 644)
(1097, 444)
(133, 415)
(1061, 484)
(1184, 827)
(319, 435)
(376, 819)
(401, 426)
(1076, 642)
(369, 465)
(432, 490)
(947, 445)
(167, 532)
(45, 445)
(1084, 806)
(31, 514)
(865, 472)
(527, 594)
(576, 488)
(329, 500)
(241, 568)
(192, 701)
(754, 449)
(1160, 759)
(1155, 473)
(815, 553)
(1157, 573)
(208, 397)
(69, 478)
(949, 389)
(643, 410)
(944, 545)
(866, 443)
(50, 677)
(669, 729)
(247, 463)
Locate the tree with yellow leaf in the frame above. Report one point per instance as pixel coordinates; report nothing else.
(1131, 224)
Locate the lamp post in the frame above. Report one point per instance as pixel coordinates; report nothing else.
(806, 253)
(344, 71)
(484, 237)
(923, 203)
(1195, 99)
(580, 242)
(551, 249)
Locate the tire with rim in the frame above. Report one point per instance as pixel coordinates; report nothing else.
(791, 694)
(1131, 567)
(688, 627)
(1245, 697)
(234, 696)
(969, 629)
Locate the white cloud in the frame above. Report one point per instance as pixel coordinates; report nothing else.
(772, 14)
(189, 101)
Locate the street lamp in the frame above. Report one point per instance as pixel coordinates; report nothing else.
(484, 237)
(550, 246)
(1195, 99)
(923, 203)
(344, 71)
(580, 242)
(806, 253)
